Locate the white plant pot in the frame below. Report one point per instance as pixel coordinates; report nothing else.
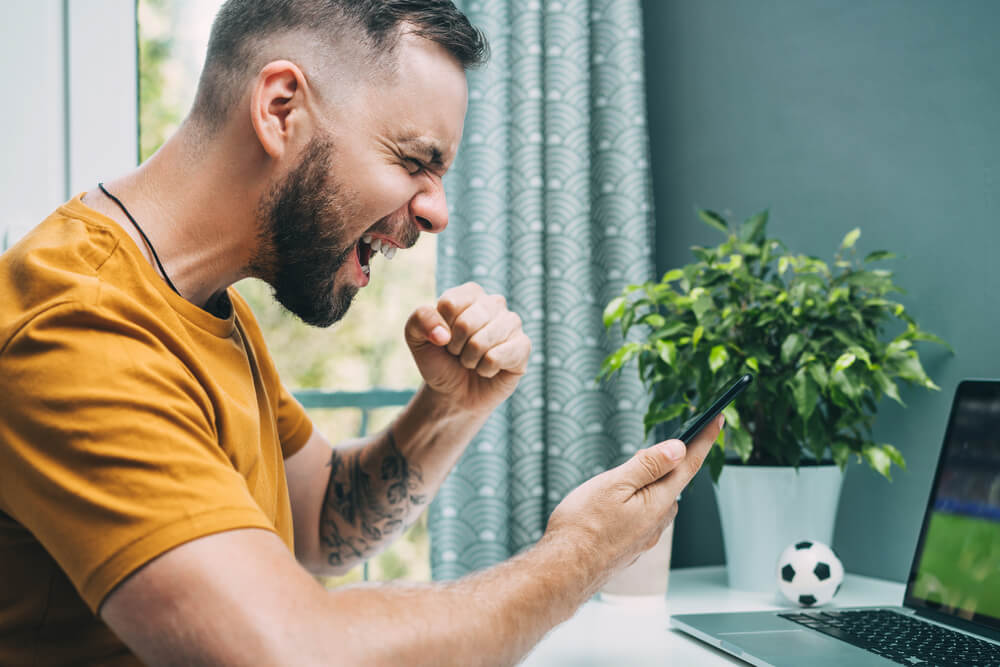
(763, 509)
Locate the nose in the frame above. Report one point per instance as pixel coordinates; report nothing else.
(429, 207)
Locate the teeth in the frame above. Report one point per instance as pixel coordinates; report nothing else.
(376, 245)
(389, 252)
(366, 270)
(367, 238)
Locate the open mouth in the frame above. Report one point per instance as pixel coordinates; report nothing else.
(369, 246)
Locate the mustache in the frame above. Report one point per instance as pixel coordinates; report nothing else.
(404, 232)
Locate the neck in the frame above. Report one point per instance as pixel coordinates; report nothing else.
(196, 210)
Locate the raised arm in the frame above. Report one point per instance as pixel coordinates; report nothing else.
(240, 598)
(351, 502)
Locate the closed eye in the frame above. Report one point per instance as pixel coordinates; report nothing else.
(413, 166)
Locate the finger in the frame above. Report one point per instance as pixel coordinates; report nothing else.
(697, 450)
(454, 301)
(426, 325)
(497, 330)
(511, 356)
(476, 316)
(648, 465)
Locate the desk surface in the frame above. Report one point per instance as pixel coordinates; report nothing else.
(636, 631)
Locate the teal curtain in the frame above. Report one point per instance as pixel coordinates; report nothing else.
(550, 205)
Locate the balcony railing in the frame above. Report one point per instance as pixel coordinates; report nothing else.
(365, 401)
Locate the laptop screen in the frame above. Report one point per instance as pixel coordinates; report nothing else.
(956, 569)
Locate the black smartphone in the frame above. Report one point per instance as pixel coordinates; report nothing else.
(692, 426)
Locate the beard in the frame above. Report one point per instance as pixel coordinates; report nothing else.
(302, 239)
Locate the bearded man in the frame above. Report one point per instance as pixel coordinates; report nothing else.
(163, 498)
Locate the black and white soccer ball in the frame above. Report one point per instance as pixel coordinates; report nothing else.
(809, 573)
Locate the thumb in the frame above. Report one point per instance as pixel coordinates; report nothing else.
(650, 464)
(426, 325)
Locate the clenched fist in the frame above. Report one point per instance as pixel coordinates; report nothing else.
(469, 347)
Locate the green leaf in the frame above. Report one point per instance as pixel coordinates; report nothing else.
(879, 255)
(847, 387)
(666, 414)
(614, 311)
(752, 363)
(844, 362)
(818, 372)
(909, 368)
(791, 348)
(817, 436)
(918, 334)
(716, 459)
(654, 320)
(732, 416)
(667, 350)
(894, 455)
(841, 453)
(627, 319)
(805, 393)
(887, 386)
(741, 442)
(783, 262)
(671, 275)
(752, 230)
(699, 331)
(619, 358)
(851, 238)
(878, 459)
(703, 303)
(713, 219)
(717, 358)
(897, 346)
(861, 353)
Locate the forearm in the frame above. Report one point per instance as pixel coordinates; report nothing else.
(493, 617)
(378, 486)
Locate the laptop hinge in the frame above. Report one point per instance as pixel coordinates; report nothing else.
(958, 623)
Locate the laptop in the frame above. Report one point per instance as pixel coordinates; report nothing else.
(951, 608)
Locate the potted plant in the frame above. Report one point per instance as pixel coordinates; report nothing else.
(825, 344)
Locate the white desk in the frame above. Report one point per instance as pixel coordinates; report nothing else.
(636, 632)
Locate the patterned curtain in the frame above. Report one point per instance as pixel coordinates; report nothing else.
(550, 205)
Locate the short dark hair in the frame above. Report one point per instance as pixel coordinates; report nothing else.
(376, 25)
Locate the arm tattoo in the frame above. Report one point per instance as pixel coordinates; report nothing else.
(359, 515)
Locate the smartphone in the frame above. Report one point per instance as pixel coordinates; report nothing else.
(692, 426)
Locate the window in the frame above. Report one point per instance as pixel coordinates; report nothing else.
(363, 351)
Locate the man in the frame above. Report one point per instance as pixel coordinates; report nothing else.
(157, 483)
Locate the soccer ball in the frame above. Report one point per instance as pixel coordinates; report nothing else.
(809, 573)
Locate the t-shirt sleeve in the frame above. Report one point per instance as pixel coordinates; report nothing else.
(109, 453)
(294, 425)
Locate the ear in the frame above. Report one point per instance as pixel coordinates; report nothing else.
(277, 105)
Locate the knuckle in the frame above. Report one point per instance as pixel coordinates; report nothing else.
(649, 463)
(472, 288)
(462, 327)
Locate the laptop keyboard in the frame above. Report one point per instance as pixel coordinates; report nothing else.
(901, 638)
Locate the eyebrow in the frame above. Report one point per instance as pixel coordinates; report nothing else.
(428, 148)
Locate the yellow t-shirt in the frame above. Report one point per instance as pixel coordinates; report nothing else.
(131, 421)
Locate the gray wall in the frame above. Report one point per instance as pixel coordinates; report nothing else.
(883, 115)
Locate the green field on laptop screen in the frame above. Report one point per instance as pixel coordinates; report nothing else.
(960, 565)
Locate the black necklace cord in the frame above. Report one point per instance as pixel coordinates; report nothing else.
(143, 235)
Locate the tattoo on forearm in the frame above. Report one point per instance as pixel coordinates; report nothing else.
(358, 514)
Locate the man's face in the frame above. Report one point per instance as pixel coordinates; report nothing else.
(372, 179)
